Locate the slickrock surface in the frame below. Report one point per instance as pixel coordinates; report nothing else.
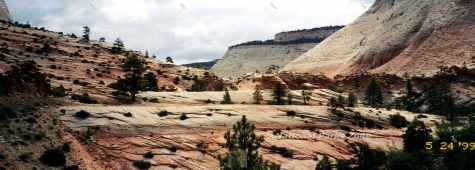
(404, 36)
(117, 140)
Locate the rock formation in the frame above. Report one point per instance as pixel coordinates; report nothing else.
(398, 37)
(271, 54)
(4, 13)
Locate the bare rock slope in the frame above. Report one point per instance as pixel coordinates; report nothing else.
(397, 37)
(261, 55)
(4, 14)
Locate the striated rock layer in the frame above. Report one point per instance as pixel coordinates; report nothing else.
(397, 37)
(259, 56)
(4, 14)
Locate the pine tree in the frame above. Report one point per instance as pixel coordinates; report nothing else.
(227, 97)
(324, 164)
(374, 94)
(305, 96)
(118, 46)
(169, 60)
(410, 97)
(416, 136)
(278, 94)
(102, 39)
(341, 101)
(333, 102)
(290, 97)
(86, 33)
(440, 100)
(352, 100)
(133, 82)
(243, 145)
(150, 82)
(257, 95)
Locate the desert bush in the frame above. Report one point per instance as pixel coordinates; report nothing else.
(183, 116)
(141, 164)
(53, 158)
(82, 114)
(398, 121)
(148, 155)
(58, 91)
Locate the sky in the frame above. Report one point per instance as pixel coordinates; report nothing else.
(187, 30)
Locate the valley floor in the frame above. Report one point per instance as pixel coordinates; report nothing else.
(118, 135)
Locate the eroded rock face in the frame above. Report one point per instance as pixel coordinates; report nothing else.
(403, 36)
(4, 13)
(262, 56)
(241, 60)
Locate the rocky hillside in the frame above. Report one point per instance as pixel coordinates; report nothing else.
(263, 56)
(397, 37)
(84, 67)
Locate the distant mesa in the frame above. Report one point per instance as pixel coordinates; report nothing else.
(264, 56)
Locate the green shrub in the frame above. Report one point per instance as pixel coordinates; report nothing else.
(58, 91)
(141, 164)
(398, 121)
(7, 113)
(148, 155)
(183, 116)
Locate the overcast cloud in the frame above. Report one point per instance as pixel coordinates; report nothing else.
(187, 30)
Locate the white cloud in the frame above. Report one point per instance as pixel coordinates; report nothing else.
(188, 30)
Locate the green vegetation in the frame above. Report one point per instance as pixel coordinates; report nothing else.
(306, 96)
(374, 94)
(199, 84)
(227, 97)
(324, 164)
(243, 145)
(352, 100)
(58, 91)
(398, 121)
(257, 95)
(278, 94)
(86, 33)
(183, 116)
(118, 46)
(133, 82)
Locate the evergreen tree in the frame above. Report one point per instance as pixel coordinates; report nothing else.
(290, 97)
(118, 46)
(324, 164)
(257, 95)
(133, 83)
(86, 33)
(333, 102)
(227, 97)
(374, 94)
(243, 145)
(306, 96)
(416, 136)
(370, 159)
(150, 82)
(410, 98)
(341, 101)
(352, 100)
(169, 60)
(278, 94)
(440, 101)
(343, 165)
(102, 39)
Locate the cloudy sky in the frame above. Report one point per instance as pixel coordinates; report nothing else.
(187, 30)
